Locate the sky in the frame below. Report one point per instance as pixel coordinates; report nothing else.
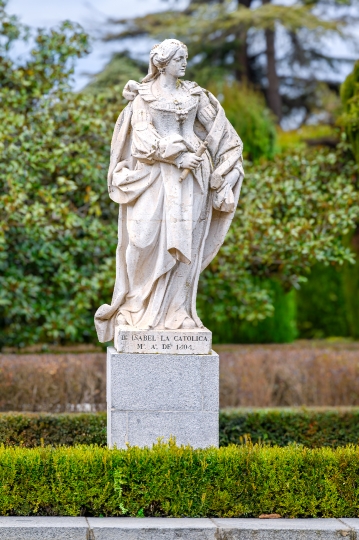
(92, 14)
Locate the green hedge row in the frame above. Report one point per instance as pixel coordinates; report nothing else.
(175, 481)
(311, 427)
(41, 429)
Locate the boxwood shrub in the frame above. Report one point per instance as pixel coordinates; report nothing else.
(310, 427)
(166, 480)
(41, 429)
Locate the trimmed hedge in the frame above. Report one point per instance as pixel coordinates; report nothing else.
(175, 481)
(311, 427)
(36, 429)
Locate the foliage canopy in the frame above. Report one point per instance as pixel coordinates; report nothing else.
(54, 236)
(58, 228)
(293, 212)
(350, 97)
(350, 121)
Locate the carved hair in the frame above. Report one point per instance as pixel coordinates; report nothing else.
(160, 56)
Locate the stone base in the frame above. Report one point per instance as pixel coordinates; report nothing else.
(127, 528)
(194, 341)
(156, 395)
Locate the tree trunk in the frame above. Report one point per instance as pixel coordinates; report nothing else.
(273, 95)
(242, 70)
(241, 58)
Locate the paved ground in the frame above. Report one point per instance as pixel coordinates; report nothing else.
(79, 528)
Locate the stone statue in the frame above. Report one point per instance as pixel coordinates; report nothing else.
(176, 173)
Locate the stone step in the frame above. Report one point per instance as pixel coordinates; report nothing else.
(81, 528)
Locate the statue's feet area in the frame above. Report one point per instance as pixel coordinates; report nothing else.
(120, 320)
(188, 323)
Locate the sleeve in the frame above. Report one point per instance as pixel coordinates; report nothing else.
(147, 145)
(206, 113)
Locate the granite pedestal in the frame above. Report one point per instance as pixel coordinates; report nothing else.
(162, 395)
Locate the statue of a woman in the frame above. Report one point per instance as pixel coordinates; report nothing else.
(175, 205)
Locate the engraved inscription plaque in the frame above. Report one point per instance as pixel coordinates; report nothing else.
(191, 341)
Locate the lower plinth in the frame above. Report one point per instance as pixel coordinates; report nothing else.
(162, 395)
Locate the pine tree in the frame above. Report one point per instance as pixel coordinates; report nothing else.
(239, 40)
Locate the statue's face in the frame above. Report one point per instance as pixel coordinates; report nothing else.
(178, 63)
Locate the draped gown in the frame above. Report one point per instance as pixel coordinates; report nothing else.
(168, 230)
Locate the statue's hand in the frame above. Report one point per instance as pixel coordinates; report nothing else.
(190, 161)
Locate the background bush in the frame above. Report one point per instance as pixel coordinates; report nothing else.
(350, 121)
(302, 374)
(248, 114)
(349, 93)
(237, 481)
(312, 428)
(279, 327)
(69, 379)
(57, 382)
(288, 219)
(57, 227)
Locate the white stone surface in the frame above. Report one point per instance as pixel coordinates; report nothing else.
(118, 528)
(152, 528)
(155, 395)
(353, 523)
(43, 528)
(169, 229)
(280, 529)
(192, 341)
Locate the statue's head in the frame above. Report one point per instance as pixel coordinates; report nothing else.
(171, 56)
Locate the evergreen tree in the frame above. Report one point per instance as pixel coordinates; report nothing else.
(239, 39)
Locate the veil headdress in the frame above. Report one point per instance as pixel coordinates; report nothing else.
(160, 56)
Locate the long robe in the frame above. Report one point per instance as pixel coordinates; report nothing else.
(168, 231)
